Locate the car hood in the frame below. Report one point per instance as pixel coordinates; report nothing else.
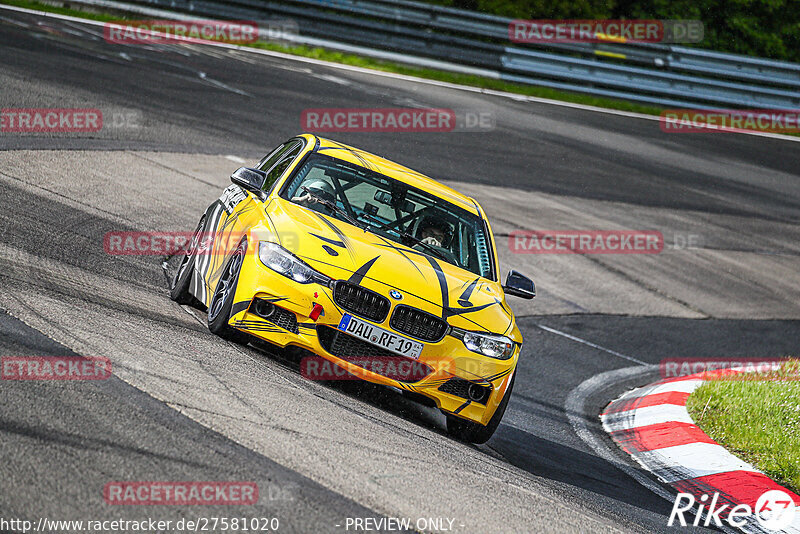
(343, 251)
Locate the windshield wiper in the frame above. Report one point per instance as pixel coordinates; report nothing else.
(379, 224)
(430, 248)
(336, 209)
(406, 236)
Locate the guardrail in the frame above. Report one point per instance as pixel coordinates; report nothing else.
(665, 75)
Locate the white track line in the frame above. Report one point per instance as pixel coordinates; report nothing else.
(405, 77)
(590, 344)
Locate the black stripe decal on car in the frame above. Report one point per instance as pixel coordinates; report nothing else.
(458, 410)
(361, 272)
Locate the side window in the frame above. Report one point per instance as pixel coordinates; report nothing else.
(270, 159)
(284, 159)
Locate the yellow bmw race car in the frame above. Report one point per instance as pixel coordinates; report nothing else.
(375, 270)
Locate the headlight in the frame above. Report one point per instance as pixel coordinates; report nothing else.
(493, 346)
(284, 262)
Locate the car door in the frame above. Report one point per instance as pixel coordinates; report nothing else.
(230, 219)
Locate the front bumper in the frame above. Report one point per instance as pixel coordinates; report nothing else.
(449, 361)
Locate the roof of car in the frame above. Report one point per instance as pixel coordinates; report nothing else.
(392, 170)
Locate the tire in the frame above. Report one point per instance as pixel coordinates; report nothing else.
(219, 309)
(472, 432)
(179, 292)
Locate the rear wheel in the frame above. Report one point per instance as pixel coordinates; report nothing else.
(473, 432)
(179, 292)
(219, 310)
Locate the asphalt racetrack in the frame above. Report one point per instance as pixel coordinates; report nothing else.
(186, 405)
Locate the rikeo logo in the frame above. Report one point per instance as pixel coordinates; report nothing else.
(774, 510)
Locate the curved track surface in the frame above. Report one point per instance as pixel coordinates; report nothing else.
(185, 405)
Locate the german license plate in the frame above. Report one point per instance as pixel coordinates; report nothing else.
(380, 337)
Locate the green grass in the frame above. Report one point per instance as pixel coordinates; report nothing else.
(102, 17)
(388, 66)
(757, 418)
(461, 79)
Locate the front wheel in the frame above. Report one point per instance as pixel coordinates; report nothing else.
(473, 432)
(219, 310)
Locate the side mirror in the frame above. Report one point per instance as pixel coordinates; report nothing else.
(252, 180)
(519, 285)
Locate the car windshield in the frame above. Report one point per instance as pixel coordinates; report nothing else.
(394, 210)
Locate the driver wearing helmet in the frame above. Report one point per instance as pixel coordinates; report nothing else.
(433, 230)
(309, 194)
(437, 233)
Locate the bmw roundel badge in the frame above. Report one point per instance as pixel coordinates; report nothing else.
(396, 295)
